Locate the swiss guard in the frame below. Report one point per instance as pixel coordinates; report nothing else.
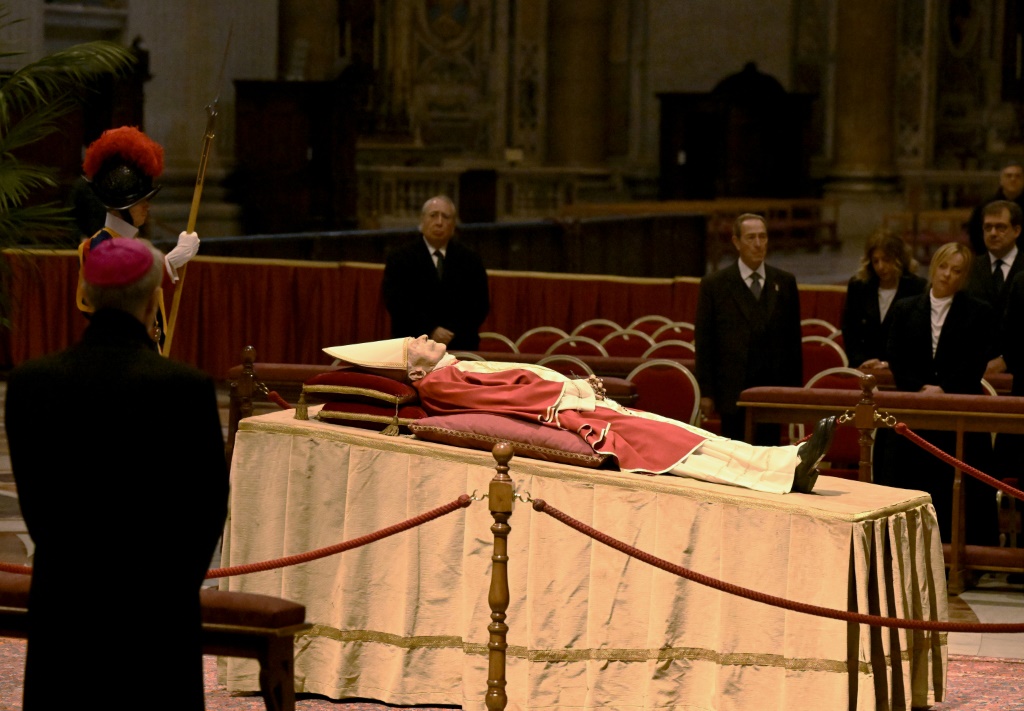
(121, 166)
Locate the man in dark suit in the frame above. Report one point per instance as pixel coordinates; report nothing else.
(435, 286)
(992, 272)
(747, 330)
(1011, 187)
(118, 458)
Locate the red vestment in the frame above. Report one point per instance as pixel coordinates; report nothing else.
(639, 444)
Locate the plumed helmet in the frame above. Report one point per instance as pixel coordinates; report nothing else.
(121, 165)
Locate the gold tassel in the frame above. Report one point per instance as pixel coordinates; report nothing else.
(392, 429)
(301, 410)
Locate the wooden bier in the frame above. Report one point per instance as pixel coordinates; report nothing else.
(951, 413)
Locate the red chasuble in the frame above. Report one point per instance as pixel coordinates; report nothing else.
(639, 444)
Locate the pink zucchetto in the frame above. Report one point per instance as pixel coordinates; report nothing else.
(117, 262)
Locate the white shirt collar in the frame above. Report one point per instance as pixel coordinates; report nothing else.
(431, 248)
(746, 271)
(120, 226)
(1007, 260)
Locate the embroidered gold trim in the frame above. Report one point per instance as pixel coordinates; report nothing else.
(365, 392)
(359, 417)
(698, 654)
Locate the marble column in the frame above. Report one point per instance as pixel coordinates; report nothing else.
(865, 146)
(577, 95)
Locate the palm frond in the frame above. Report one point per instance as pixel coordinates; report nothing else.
(55, 75)
(37, 224)
(34, 125)
(18, 181)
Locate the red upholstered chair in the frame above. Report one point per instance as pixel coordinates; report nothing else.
(671, 349)
(627, 343)
(596, 328)
(492, 342)
(577, 346)
(649, 324)
(675, 331)
(666, 388)
(820, 354)
(567, 365)
(539, 339)
(844, 454)
(467, 355)
(837, 338)
(817, 327)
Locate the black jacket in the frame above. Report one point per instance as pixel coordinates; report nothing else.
(419, 302)
(865, 333)
(742, 342)
(118, 458)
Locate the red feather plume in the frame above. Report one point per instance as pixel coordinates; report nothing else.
(131, 144)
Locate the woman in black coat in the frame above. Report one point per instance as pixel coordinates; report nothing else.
(886, 275)
(940, 342)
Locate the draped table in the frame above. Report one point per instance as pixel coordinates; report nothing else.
(404, 620)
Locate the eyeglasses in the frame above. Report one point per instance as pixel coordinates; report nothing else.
(997, 227)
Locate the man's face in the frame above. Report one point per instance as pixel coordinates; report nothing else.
(139, 212)
(752, 244)
(423, 354)
(1000, 235)
(1011, 180)
(437, 222)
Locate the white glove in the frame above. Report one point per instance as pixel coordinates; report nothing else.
(188, 246)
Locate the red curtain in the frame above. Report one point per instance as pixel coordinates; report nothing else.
(290, 310)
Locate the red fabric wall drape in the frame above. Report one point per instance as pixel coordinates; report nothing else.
(290, 310)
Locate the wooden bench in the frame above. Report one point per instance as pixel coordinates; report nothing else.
(953, 413)
(235, 624)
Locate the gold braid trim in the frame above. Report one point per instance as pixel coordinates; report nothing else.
(543, 656)
(359, 417)
(364, 392)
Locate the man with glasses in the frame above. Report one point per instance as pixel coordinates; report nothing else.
(1011, 188)
(434, 285)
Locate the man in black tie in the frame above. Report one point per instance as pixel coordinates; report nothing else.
(435, 286)
(747, 330)
(994, 270)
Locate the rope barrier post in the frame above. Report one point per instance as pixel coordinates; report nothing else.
(956, 581)
(864, 421)
(240, 402)
(500, 495)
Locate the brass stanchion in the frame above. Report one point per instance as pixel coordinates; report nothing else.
(864, 421)
(500, 496)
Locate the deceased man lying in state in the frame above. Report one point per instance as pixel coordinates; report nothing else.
(640, 441)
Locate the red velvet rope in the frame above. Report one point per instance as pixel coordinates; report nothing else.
(924, 444)
(876, 620)
(459, 503)
(278, 400)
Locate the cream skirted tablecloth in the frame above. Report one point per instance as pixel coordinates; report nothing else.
(404, 620)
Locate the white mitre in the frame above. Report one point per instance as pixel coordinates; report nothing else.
(391, 354)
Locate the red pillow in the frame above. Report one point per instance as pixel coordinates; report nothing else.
(389, 419)
(528, 439)
(353, 386)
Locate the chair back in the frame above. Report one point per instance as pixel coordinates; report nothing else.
(539, 339)
(627, 343)
(467, 355)
(649, 324)
(671, 349)
(577, 346)
(596, 328)
(844, 454)
(820, 354)
(666, 388)
(675, 331)
(493, 342)
(568, 365)
(817, 327)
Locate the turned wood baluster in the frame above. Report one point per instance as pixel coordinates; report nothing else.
(240, 400)
(864, 421)
(500, 496)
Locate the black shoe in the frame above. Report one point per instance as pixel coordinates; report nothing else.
(811, 453)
